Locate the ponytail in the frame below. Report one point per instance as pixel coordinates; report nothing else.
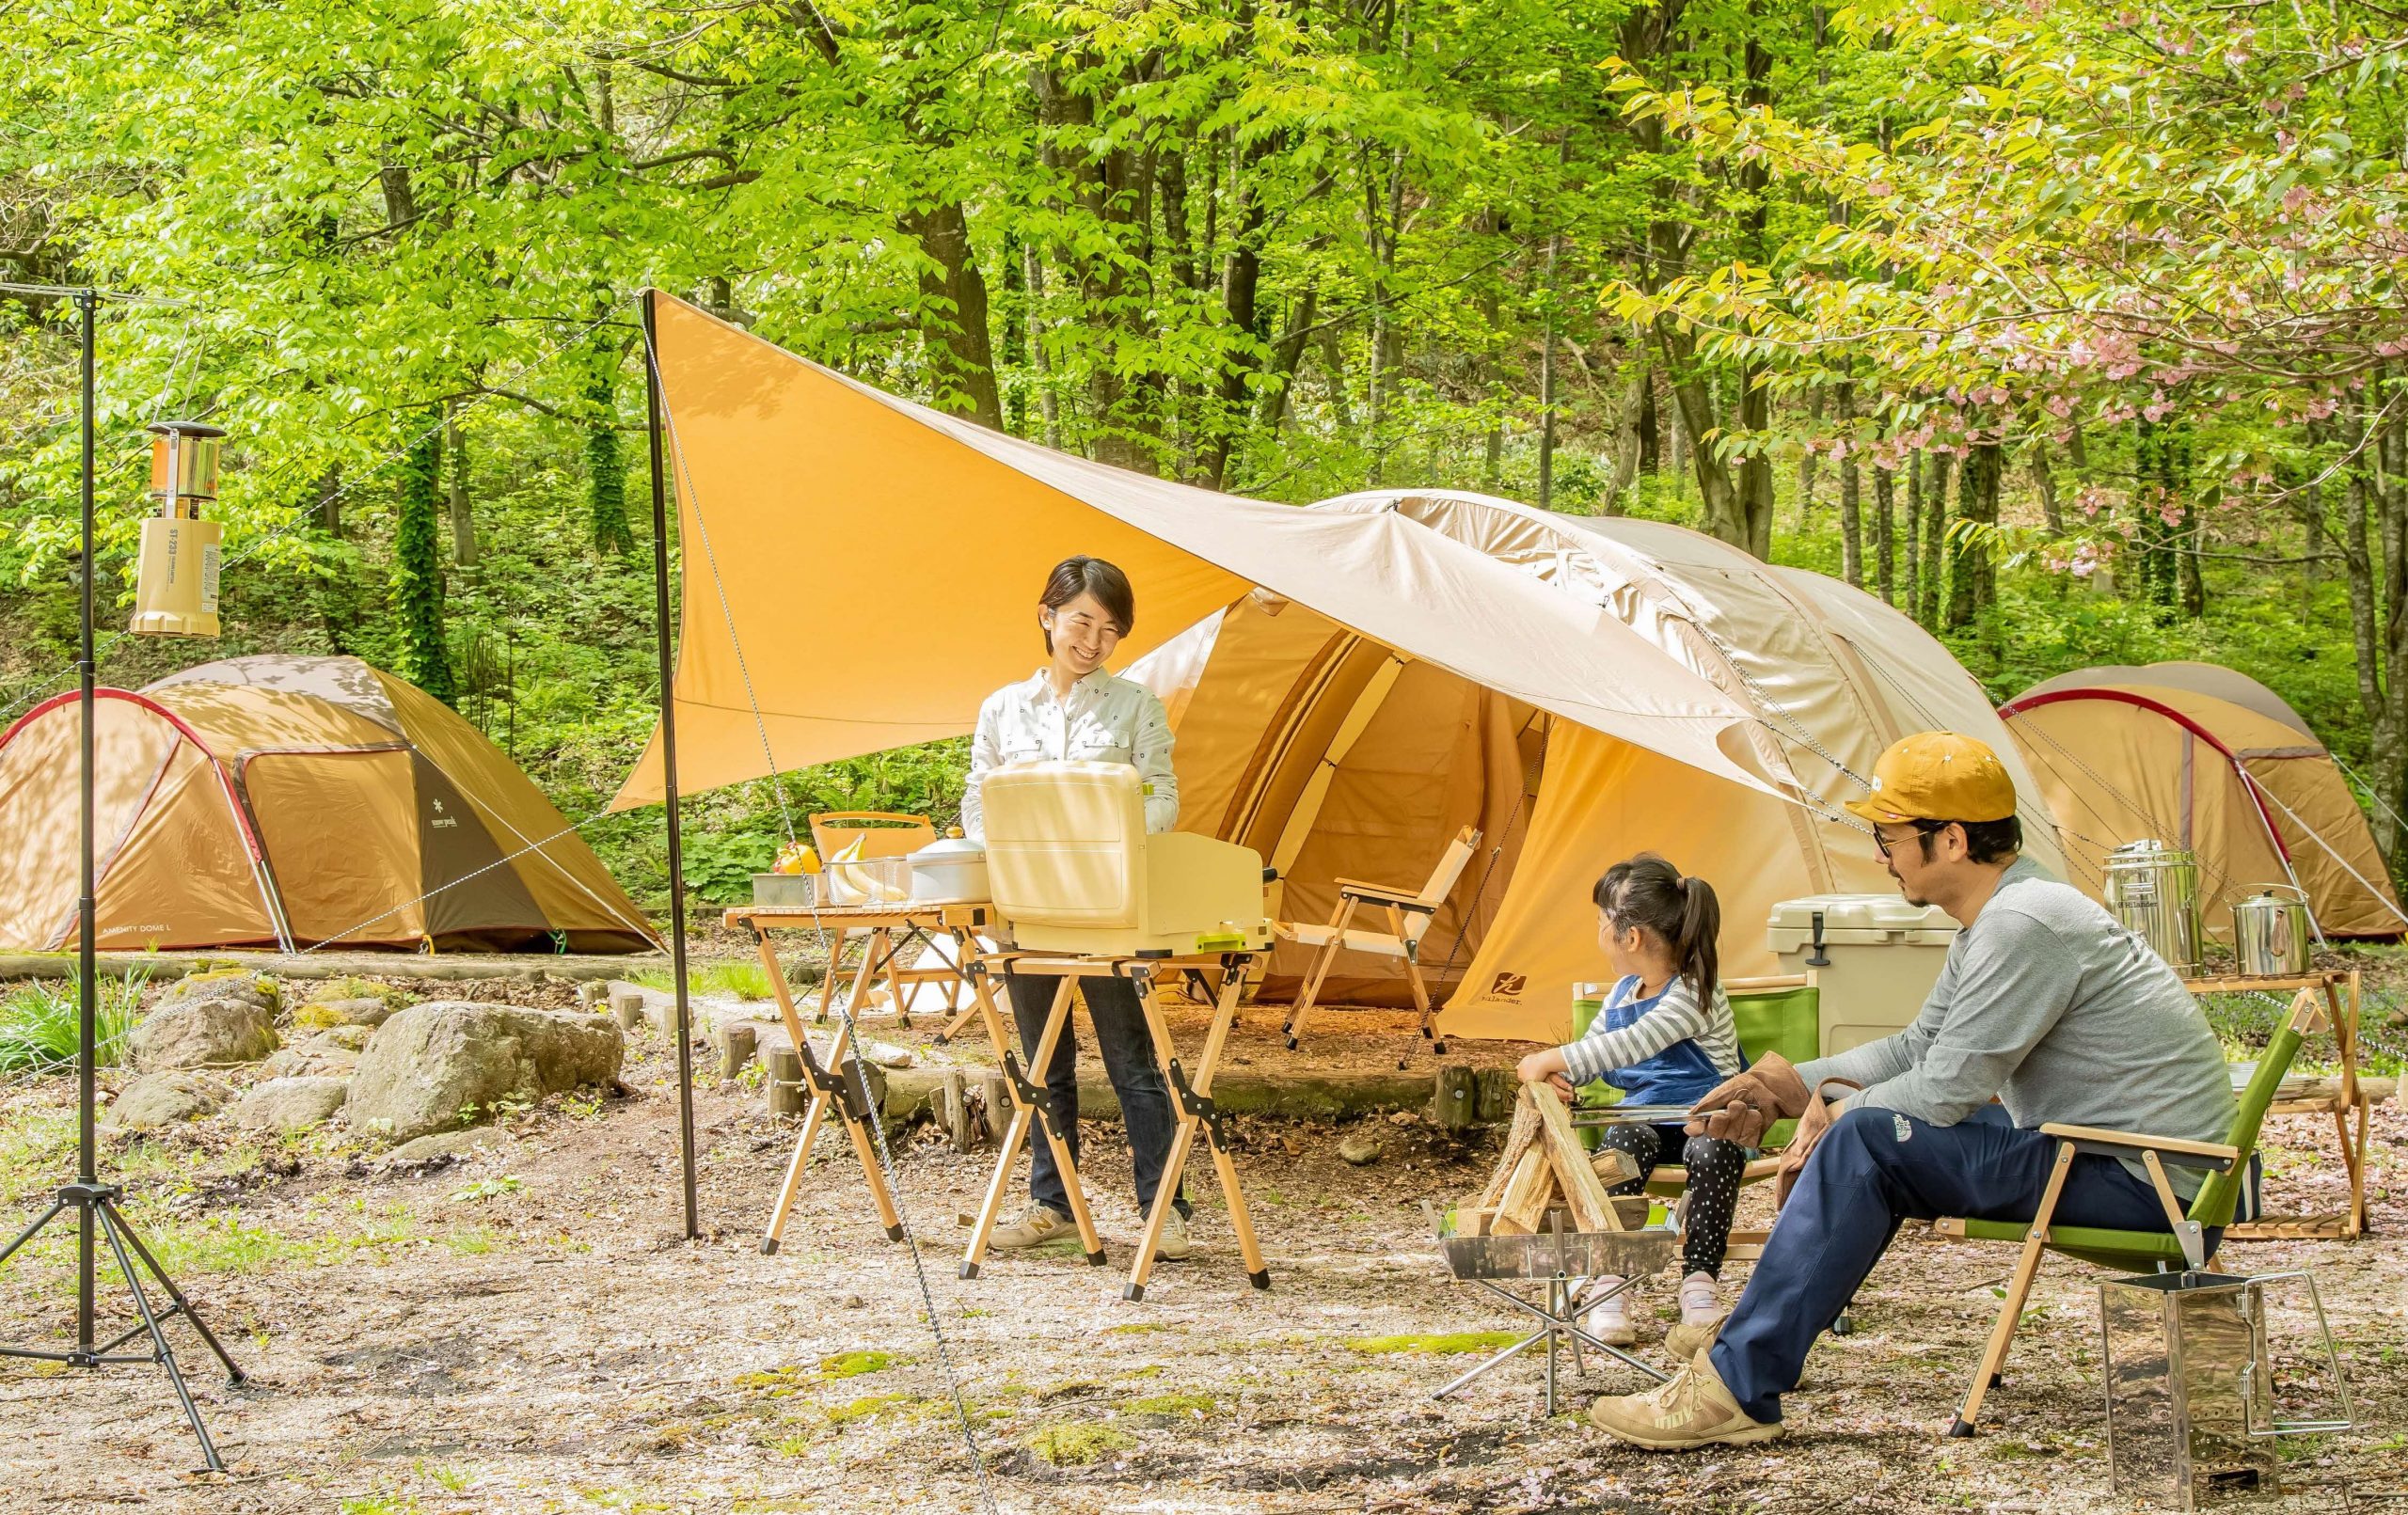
(1679, 910)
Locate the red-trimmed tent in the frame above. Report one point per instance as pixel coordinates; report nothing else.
(2210, 760)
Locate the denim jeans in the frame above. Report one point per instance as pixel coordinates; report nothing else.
(1873, 1170)
(1128, 1049)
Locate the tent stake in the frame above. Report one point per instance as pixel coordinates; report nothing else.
(669, 769)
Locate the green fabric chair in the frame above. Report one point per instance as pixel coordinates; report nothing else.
(1779, 1015)
(2183, 1244)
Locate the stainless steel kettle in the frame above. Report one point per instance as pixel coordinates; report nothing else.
(2269, 932)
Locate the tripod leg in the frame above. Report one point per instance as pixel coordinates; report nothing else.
(28, 1233)
(236, 1377)
(109, 1225)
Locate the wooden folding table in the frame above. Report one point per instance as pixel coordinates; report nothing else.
(837, 1080)
(1190, 1092)
(2346, 1104)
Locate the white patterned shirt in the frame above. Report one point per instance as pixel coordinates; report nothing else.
(1105, 720)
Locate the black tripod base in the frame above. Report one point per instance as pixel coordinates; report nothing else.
(96, 1212)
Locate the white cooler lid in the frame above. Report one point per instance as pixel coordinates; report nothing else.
(1856, 919)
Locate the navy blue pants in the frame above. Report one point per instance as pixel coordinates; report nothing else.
(1127, 1048)
(1874, 1169)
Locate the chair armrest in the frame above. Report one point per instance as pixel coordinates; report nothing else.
(1356, 889)
(2180, 1153)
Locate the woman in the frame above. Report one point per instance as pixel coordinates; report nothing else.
(1071, 708)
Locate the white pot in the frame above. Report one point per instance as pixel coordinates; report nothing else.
(949, 872)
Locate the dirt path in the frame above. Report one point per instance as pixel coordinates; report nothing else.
(525, 1331)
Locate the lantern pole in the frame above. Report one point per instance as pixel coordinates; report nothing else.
(668, 768)
(94, 1202)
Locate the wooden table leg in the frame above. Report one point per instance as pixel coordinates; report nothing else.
(1028, 1108)
(1194, 1097)
(828, 976)
(965, 953)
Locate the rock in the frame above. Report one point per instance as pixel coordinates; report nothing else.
(450, 1063)
(165, 1100)
(319, 1015)
(223, 984)
(1362, 1151)
(448, 1144)
(349, 1038)
(205, 1032)
(594, 994)
(318, 1057)
(887, 1056)
(297, 1104)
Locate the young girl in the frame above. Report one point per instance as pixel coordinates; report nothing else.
(1664, 1038)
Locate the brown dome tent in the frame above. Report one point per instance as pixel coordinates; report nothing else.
(277, 802)
(2210, 760)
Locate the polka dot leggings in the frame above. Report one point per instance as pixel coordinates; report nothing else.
(1713, 1168)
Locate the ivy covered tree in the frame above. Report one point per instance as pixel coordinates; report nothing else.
(418, 567)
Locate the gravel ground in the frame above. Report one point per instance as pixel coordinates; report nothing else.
(526, 1329)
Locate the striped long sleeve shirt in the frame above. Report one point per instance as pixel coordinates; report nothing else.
(1676, 1016)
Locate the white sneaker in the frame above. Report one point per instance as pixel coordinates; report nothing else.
(1608, 1319)
(1174, 1246)
(1700, 1303)
(1038, 1224)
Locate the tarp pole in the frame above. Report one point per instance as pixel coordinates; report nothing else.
(668, 768)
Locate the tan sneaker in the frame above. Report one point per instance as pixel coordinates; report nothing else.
(1694, 1409)
(1174, 1246)
(1038, 1224)
(1685, 1341)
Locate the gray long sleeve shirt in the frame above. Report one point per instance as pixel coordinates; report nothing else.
(2047, 1004)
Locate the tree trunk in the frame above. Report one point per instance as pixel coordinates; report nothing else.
(1972, 580)
(1885, 547)
(1808, 461)
(953, 315)
(418, 568)
(1628, 429)
(456, 467)
(328, 503)
(1851, 522)
(1914, 536)
(1935, 548)
(1241, 289)
(2045, 479)
(1287, 357)
(2378, 626)
(606, 471)
(1048, 403)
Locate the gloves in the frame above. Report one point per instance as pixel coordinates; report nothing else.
(1811, 1126)
(1743, 1106)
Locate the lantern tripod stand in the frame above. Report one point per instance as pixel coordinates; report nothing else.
(94, 1202)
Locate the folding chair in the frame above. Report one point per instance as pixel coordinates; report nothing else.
(1408, 912)
(885, 834)
(2184, 1243)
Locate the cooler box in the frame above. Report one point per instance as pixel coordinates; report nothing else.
(1882, 956)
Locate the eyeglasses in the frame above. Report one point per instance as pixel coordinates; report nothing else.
(1885, 841)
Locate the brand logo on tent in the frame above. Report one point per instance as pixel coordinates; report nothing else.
(1509, 985)
(442, 820)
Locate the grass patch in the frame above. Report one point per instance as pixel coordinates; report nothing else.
(1138, 1328)
(1172, 1404)
(2246, 1022)
(38, 1022)
(746, 981)
(868, 1407)
(1076, 1445)
(853, 1364)
(1438, 1343)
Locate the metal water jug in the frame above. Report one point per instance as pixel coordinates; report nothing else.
(2153, 891)
(2269, 932)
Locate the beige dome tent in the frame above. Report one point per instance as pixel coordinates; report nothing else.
(2210, 760)
(290, 802)
(1336, 758)
(1446, 659)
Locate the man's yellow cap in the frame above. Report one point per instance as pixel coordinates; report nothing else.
(1938, 776)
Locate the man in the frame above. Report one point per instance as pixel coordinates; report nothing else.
(2044, 1001)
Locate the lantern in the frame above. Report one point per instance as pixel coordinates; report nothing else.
(176, 583)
